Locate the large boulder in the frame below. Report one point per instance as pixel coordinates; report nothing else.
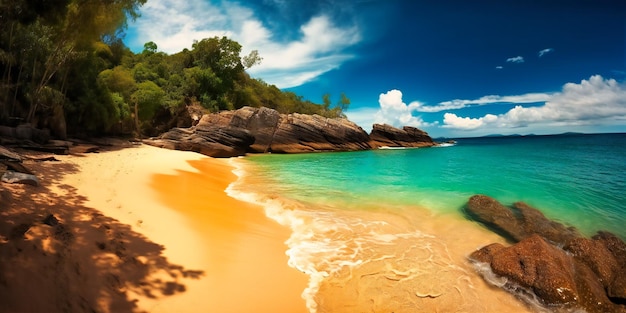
(519, 221)
(536, 267)
(384, 135)
(552, 262)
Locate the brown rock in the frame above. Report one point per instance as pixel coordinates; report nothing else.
(617, 288)
(260, 130)
(6, 154)
(534, 222)
(206, 139)
(384, 135)
(519, 222)
(596, 256)
(557, 278)
(495, 216)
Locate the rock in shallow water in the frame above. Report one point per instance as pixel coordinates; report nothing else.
(518, 222)
(585, 273)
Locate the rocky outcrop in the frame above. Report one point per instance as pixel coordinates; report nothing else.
(229, 133)
(384, 135)
(517, 222)
(25, 132)
(214, 141)
(550, 262)
(263, 130)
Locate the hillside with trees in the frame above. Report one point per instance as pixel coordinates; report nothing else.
(65, 68)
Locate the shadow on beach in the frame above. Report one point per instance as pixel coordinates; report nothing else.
(58, 255)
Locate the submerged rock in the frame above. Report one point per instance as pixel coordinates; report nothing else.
(518, 222)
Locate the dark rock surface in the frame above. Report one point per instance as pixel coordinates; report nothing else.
(384, 135)
(555, 263)
(209, 140)
(518, 222)
(262, 130)
(228, 134)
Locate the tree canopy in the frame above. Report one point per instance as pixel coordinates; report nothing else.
(63, 62)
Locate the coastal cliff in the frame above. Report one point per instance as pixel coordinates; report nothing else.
(264, 130)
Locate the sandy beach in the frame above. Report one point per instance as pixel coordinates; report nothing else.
(141, 229)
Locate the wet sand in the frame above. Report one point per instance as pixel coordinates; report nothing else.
(365, 257)
(177, 199)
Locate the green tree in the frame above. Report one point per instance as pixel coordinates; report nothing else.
(147, 99)
(149, 47)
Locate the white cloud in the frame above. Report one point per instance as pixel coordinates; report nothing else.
(499, 67)
(395, 112)
(544, 51)
(174, 24)
(517, 59)
(363, 116)
(596, 101)
(491, 99)
(451, 120)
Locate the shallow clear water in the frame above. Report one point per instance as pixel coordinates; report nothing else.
(580, 180)
(383, 230)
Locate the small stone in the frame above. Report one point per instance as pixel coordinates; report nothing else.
(51, 220)
(12, 177)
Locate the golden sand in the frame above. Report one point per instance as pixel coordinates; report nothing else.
(153, 231)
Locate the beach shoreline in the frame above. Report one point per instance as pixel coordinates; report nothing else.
(151, 230)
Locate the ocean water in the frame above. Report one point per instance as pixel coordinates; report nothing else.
(383, 230)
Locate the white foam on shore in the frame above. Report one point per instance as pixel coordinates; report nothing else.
(520, 292)
(322, 243)
(373, 259)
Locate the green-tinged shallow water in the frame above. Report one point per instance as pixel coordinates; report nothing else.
(577, 179)
(384, 230)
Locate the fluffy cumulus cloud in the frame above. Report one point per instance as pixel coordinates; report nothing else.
(395, 112)
(545, 51)
(451, 120)
(321, 46)
(596, 101)
(517, 59)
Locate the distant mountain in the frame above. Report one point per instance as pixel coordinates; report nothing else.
(500, 135)
(570, 134)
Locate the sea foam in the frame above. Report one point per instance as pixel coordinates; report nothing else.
(360, 258)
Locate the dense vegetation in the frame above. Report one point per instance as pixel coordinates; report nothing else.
(64, 67)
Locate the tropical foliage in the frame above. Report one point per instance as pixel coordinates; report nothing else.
(65, 67)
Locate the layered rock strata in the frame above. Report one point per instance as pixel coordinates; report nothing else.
(384, 135)
(263, 130)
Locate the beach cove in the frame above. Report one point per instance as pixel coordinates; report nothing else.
(143, 229)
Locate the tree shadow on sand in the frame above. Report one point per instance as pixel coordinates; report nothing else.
(58, 255)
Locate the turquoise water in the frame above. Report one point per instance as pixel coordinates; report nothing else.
(577, 179)
(384, 230)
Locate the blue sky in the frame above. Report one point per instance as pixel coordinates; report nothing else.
(453, 68)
